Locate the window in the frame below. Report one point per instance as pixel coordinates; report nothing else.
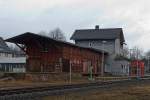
(45, 48)
(91, 44)
(122, 66)
(6, 55)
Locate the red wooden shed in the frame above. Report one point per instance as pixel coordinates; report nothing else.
(48, 55)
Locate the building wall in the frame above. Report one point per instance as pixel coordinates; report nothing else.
(109, 46)
(114, 48)
(42, 58)
(82, 60)
(117, 46)
(109, 60)
(59, 57)
(121, 67)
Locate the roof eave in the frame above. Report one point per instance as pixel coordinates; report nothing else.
(19, 38)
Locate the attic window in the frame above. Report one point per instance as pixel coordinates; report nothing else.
(91, 44)
(45, 48)
(97, 27)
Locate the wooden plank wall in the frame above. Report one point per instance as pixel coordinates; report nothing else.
(79, 56)
(40, 60)
(47, 61)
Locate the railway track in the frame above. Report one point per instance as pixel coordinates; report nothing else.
(52, 90)
(49, 88)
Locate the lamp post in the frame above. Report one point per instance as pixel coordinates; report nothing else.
(102, 67)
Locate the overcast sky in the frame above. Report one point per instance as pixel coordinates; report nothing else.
(19, 16)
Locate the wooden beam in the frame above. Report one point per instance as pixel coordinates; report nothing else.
(21, 47)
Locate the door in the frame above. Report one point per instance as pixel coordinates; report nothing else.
(66, 65)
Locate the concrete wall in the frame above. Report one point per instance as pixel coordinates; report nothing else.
(115, 66)
(120, 67)
(109, 63)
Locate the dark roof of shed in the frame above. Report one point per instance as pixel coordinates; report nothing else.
(4, 47)
(23, 38)
(108, 33)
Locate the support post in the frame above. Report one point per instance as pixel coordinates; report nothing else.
(22, 48)
(70, 74)
(102, 68)
(91, 72)
(148, 64)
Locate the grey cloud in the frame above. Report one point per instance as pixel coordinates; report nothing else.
(32, 15)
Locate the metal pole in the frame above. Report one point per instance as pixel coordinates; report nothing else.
(91, 72)
(137, 65)
(137, 69)
(70, 73)
(102, 72)
(148, 64)
(130, 67)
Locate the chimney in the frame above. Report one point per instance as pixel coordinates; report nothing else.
(97, 27)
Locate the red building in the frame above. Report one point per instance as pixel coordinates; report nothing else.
(48, 55)
(137, 68)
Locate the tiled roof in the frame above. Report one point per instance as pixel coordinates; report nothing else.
(24, 38)
(88, 34)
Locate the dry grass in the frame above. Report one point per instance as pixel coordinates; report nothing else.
(27, 83)
(56, 80)
(76, 79)
(141, 92)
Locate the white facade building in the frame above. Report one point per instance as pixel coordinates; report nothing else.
(114, 41)
(9, 63)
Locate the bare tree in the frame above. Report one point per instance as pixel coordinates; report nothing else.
(57, 34)
(147, 53)
(11, 46)
(14, 47)
(136, 53)
(126, 52)
(43, 33)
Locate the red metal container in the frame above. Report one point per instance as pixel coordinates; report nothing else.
(137, 68)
